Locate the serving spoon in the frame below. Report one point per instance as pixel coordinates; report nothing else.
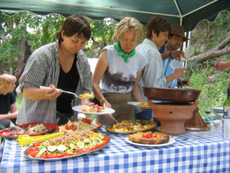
(60, 90)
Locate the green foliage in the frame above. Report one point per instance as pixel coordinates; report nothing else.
(103, 29)
(19, 100)
(101, 36)
(50, 25)
(213, 86)
(12, 30)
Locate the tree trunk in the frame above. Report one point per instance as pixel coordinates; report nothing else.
(222, 49)
(21, 53)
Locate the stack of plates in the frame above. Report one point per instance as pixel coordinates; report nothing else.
(217, 110)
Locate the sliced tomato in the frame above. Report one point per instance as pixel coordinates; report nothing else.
(32, 151)
(96, 106)
(147, 135)
(85, 150)
(36, 144)
(86, 120)
(67, 127)
(74, 127)
(79, 152)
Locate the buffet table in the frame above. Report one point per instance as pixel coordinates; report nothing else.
(193, 152)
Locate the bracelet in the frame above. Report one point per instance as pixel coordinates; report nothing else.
(101, 101)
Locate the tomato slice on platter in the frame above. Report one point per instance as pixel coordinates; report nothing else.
(32, 151)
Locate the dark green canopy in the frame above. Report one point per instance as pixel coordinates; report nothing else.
(184, 12)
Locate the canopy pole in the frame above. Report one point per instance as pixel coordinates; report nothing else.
(179, 11)
(201, 7)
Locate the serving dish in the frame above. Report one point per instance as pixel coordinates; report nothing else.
(170, 142)
(106, 111)
(83, 152)
(84, 124)
(68, 145)
(138, 104)
(14, 132)
(111, 128)
(171, 94)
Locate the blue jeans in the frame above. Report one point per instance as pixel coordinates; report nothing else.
(144, 115)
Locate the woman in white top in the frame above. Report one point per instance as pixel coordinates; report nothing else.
(119, 65)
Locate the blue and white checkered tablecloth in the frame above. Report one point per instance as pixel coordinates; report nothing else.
(202, 151)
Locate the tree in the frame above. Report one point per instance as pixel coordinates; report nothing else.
(24, 32)
(15, 37)
(101, 36)
(212, 38)
(222, 49)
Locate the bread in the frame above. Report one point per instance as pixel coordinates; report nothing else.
(149, 137)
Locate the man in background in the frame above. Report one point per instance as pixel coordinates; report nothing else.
(170, 52)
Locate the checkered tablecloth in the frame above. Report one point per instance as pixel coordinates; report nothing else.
(202, 151)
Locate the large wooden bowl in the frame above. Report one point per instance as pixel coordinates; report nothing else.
(171, 94)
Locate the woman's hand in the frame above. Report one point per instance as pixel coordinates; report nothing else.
(52, 92)
(106, 103)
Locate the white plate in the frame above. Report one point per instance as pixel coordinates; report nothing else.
(139, 106)
(170, 142)
(107, 111)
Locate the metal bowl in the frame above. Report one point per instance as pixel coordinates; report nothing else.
(171, 94)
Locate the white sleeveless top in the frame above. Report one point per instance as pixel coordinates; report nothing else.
(119, 75)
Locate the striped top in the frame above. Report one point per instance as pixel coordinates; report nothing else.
(43, 68)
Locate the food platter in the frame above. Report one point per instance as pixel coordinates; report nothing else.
(75, 144)
(79, 126)
(106, 111)
(151, 127)
(170, 142)
(84, 151)
(14, 132)
(138, 104)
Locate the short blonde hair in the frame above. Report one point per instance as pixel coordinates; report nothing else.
(126, 24)
(5, 81)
